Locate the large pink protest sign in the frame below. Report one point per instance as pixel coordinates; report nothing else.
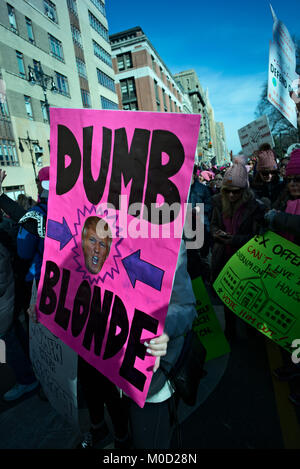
(108, 267)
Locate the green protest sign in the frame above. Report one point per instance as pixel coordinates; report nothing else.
(206, 325)
(261, 285)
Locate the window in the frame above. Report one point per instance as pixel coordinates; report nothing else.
(105, 80)
(28, 107)
(86, 99)
(108, 104)
(21, 64)
(36, 65)
(3, 108)
(102, 54)
(14, 191)
(124, 61)
(62, 84)
(76, 36)
(100, 5)
(56, 49)
(128, 91)
(29, 30)
(72, 6)
(98, 26)
(164, 100)
(8, 153)
(153, 63)
(157, 95)
(81, 68)
(50, 10)
(44, 112)
(12, 18)
(131, 106)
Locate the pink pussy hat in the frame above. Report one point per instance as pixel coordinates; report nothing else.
(266, 161)
(206, 175)
(236, 175)
(44, 177)
(293, 166)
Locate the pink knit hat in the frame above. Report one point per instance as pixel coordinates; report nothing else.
(44, 177)
(236, 175)
(293, 166)
(266, 161)
(206, 175)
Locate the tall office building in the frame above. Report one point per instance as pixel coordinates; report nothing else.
(52, 53)
(143, 80)
(191, 85)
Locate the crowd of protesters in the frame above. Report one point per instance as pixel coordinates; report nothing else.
(246, 197)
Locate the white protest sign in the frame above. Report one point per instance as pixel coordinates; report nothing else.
(282, 76)
(254, 134)
(55, 366)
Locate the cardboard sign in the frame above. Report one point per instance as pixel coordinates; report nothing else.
(261, 285)
(55, 366)
(207, 325)
(254, 134)
(110, 249)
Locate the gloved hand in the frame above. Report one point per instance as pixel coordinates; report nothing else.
(269, 217)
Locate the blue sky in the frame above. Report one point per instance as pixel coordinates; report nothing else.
(225, 42)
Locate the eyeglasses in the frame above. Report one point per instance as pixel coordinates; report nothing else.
(293, 179)
(233, 191)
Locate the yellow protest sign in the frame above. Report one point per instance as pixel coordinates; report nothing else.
(261, 285)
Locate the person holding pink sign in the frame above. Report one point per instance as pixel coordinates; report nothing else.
(151, 426)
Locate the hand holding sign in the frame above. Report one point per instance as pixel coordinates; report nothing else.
(158, 348)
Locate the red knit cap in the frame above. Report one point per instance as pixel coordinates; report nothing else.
(266, 161)
(293, 166)
(44, 177)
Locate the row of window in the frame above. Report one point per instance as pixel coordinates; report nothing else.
(49, 10)
(100, 5)
(98, 27)
(29, 112)
(8, 153)
(105, 80)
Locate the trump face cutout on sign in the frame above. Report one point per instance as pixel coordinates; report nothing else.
(96, 243)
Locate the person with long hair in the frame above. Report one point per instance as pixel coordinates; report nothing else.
(236, 218)
(284, 219)
(266, 183)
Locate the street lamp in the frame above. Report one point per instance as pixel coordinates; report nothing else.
(36, 75)
(30, 145)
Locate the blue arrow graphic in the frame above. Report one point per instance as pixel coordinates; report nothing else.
(137, 269)
(59, 231)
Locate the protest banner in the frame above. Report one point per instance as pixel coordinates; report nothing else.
(282, 76)
(207, 325)
(118, 184)
(261, 285)
(254, 134)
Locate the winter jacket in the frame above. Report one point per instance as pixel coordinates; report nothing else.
(200, 194)
(31, 246)
(266, 191)
(251, 220)
(180, 316)
(7, 291)
(19, 215)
